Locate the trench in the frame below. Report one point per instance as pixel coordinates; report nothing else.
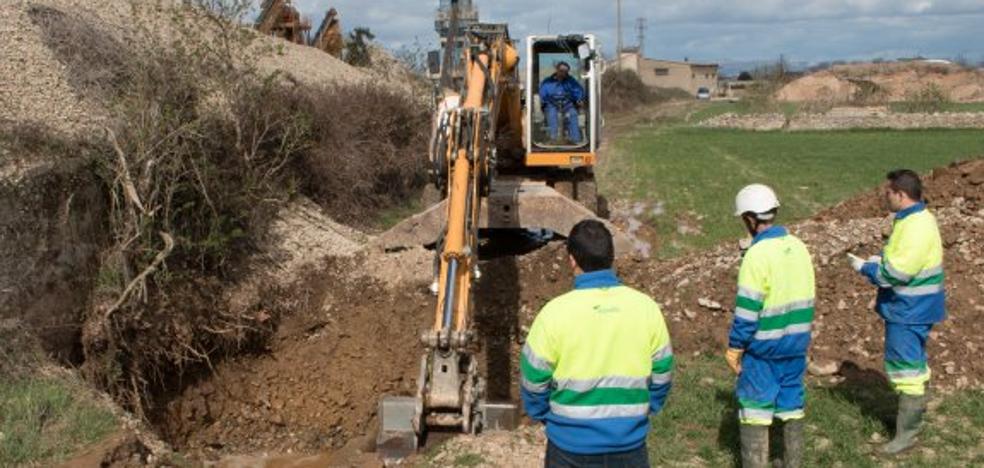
(314, 387)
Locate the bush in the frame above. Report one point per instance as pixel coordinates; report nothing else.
(202, 149)
(929, 99)
(373, 159)
(623, 90)
(867, 93)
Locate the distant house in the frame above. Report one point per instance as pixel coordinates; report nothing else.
(686, 75)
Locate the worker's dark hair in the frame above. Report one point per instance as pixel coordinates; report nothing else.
(591, 245)
(563, 64)
(906, 181)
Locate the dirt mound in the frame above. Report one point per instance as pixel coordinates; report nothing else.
(316, 386)
(888, 82)
(943, 185)
(355, 339)
(822, 86)
(39, 56)
(697, 292)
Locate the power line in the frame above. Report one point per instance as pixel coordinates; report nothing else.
(641, 27)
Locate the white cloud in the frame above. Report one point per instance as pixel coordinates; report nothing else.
(809, 30)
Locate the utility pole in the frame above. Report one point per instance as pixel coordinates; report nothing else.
(641, 35)
(450, 46)
(618, 20)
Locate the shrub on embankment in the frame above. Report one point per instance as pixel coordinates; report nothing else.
(200, 149)
(623, 91)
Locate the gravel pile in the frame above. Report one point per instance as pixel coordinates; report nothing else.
(36, 86)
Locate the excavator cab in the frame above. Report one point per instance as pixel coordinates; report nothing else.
(571, 147)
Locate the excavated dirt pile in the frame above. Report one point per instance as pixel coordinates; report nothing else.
(889, 82)
(698, 292)
(318, 384)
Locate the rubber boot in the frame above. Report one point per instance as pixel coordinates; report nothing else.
(907, 423)
(792, 439)
(754, 446)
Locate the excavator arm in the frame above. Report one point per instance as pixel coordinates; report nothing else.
(450, 391)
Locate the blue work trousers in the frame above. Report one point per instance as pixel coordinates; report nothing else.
(770, 388)
(569, 113)
(905, 357)
(559, 458)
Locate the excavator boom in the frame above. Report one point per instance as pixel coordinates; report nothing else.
(450, 390)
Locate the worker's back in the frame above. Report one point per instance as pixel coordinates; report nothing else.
(600, 331)
(606, 348)
(780, 270)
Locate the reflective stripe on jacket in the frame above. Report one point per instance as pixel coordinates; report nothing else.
(910, 275)
(776, 296)
(596, 363)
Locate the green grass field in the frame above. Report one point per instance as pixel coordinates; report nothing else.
(706, 110)
(45, 419)
(698, 426)
(695, 172)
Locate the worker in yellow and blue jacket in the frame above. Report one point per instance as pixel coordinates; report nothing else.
(770, 334)
(911, 299)
(597, 362)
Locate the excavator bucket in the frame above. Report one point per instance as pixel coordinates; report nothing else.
(512, 203)
(398, 438)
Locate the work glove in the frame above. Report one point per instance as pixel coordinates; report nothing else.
(733, 356)
(875, 259)
(856, 262)
(743, 245)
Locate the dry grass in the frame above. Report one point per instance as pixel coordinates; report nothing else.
(372, 159)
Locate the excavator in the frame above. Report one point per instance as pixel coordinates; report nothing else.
(279, 18)
(497, 168)
(328, 37)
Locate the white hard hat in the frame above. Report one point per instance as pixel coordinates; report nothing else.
(756, 198)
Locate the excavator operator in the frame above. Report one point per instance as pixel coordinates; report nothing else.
(561, 97)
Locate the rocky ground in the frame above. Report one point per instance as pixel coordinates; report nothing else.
(843, 118)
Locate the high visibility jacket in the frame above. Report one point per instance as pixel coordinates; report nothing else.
(596, 363)
(910, 275)
(776, 296)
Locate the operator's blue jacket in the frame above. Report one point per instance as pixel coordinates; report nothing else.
(559, 93)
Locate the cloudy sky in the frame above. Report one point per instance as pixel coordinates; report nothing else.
(708, 30)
